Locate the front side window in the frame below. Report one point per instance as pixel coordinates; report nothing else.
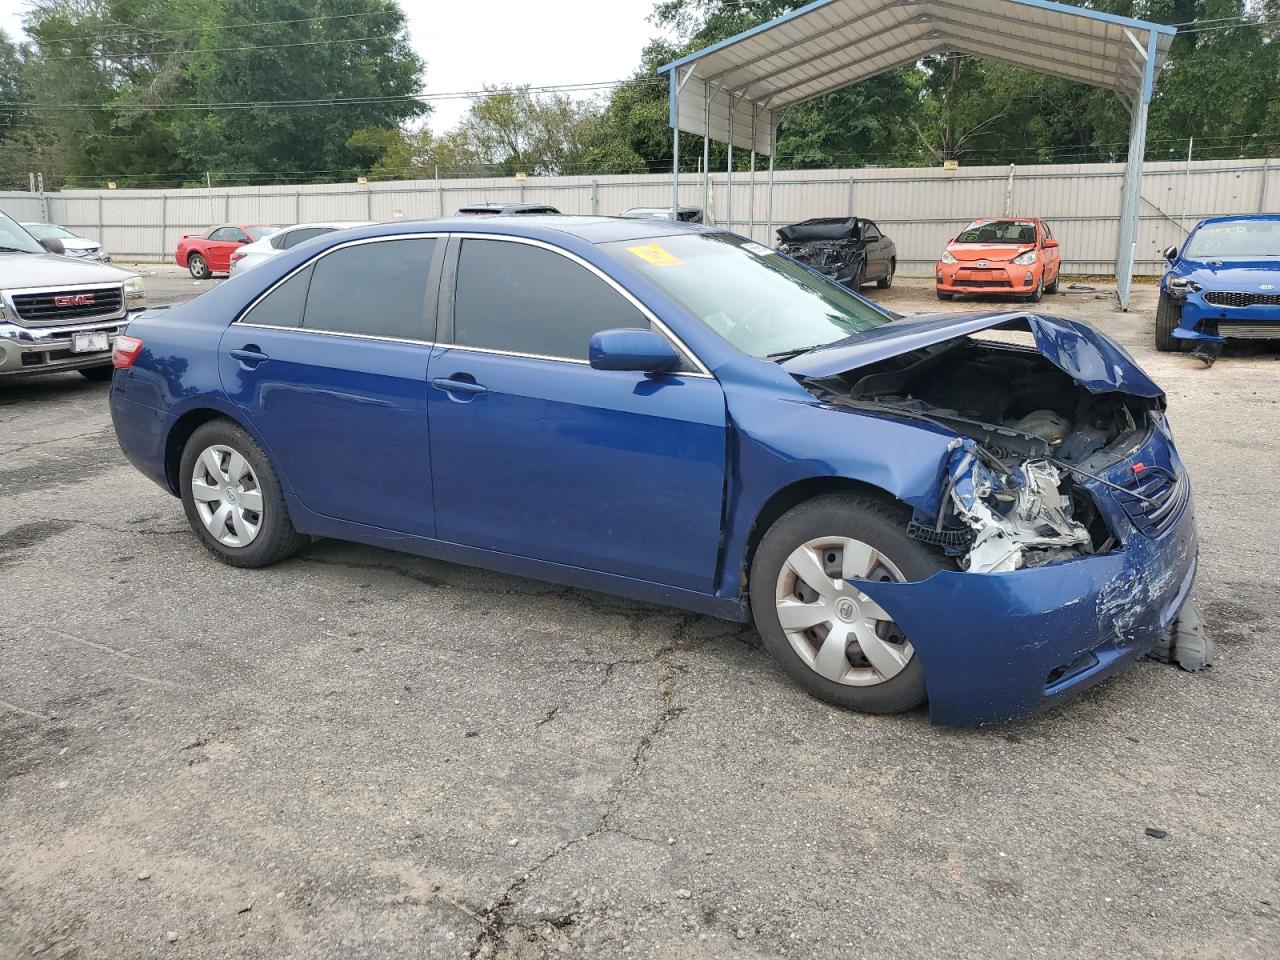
(372, 289)
(870, 231)
(255, 233)
(762, 303)
(518, 298)
(222, 234)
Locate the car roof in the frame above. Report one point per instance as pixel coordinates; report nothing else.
(1232, 217)
(549, 227)
(340, 224)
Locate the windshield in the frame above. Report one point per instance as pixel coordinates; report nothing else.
(14, 238)
(763, 303)
(258, 232)
(998, 231)
(47, 231)
(1234, 239)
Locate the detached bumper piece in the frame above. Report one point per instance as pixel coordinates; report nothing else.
(1186, 643)
(1017, 642)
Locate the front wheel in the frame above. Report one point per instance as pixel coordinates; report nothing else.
(825, 633)
(233, 499)
(1168, 316)
(1053, 287)
(944, 296)
(198, 267)
(1037, 294)
(885, 282)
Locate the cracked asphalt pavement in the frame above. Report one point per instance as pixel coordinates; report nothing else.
(359, 754)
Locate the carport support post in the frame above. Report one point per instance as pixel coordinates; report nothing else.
(751, 198)
(706, 153)
(728, 175)
(773, 149)
(1127, 242)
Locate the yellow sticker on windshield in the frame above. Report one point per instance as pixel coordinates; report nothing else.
(656, 255)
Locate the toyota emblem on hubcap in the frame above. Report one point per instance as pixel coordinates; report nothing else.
(846, 609)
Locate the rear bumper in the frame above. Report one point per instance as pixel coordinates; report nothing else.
(1010, 644)
(34, 350)
(142, 433)
(993, 280)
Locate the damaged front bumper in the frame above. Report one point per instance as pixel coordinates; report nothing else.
(1017, 642)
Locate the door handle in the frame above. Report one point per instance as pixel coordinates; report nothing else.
(250, 355)
(456, 385)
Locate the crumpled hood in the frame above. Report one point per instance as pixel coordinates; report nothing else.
(1247, 276)
(18, 270)
(1092, 359)
(991, 252)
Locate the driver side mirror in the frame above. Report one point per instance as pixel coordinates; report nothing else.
(1051, 243)
(54, 245)
(632, 349)
(1171, 254)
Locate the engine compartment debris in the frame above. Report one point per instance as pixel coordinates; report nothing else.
(1029, 436)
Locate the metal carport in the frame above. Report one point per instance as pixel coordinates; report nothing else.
(736, 91)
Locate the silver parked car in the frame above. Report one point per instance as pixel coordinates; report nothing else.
(73, 245)
(252, 254)
(685, 215)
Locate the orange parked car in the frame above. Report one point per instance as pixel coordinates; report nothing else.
(1015, 256)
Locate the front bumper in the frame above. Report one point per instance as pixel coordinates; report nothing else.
(1204, 322)
(993, 279)
(36, 350)
(1011, 644)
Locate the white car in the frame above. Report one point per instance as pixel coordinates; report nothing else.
(73, 245)
(252, 254)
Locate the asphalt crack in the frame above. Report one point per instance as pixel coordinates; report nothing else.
(497, 922)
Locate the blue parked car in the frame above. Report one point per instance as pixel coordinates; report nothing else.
(673, 413)
(1224, 284)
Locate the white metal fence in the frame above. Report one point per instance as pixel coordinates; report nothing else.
(918, 208)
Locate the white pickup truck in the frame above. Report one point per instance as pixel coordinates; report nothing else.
(56, 312)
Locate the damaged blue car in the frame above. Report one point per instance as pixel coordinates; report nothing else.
(981, 511)
(1224, 284)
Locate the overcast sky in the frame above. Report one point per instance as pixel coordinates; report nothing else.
(475, 42)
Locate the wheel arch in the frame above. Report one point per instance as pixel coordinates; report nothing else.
(181, 432)
(798, 492)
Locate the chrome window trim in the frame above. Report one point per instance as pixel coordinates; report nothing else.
(240, 321)
(701, 370)
(680, 345)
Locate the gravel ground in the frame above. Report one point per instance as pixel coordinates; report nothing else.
(361, 754)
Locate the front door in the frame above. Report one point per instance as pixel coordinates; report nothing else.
(223, 242)
(331, 366)
(537, 454)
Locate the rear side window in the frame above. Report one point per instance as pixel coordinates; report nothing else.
(372, 289)
(518, 298)
(282, 307)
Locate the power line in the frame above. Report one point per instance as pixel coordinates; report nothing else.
(213, 28)
(260, 46)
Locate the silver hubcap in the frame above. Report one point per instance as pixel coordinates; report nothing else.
(840, 632)
(227, 496)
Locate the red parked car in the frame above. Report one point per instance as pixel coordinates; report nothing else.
(1000, 255)
(206, 254)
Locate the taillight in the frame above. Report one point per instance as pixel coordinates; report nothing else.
(237, 256)
(125, 351)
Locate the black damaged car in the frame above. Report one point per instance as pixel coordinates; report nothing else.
(849, 250)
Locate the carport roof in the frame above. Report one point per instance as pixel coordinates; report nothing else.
(830, 44)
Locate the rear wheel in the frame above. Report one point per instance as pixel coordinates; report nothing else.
(97, 374)
(825, 633)
(1168, 315)
(198, 267)
(885, 282)
(233, 499)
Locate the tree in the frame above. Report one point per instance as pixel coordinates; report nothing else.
(513, 131)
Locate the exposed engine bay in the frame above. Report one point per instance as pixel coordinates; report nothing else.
(831, 245)
(1028, 435)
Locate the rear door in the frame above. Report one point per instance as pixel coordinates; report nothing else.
(535, 453)
(330, 366)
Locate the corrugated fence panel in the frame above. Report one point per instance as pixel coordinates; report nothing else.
(920, 209)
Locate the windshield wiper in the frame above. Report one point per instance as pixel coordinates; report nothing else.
(4, 249)
(788, 354)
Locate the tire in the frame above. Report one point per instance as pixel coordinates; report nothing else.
(1036, 295)
(944, 296)
(863, 521)
(860, 278)
(274, 537)
(1053, 287)
(98, 374)
(198, 267)
(885, 282)
(1168, 315)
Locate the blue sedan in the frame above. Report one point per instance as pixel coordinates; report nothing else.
(1223, 284)
(982, 510)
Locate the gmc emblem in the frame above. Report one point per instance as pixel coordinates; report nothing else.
(74, 300)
